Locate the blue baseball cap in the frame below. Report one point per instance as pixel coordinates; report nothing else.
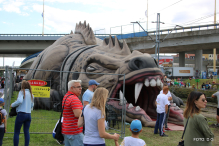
(2, 100)
(136, 124)
(93, 82)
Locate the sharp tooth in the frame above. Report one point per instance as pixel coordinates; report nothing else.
(121, 98)
(138, 87)
(137, 108)
(158, 82)
(130, 106)
(146, 82)
(161, 85)
(153, 83)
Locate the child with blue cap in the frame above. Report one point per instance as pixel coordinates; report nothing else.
(134, 140)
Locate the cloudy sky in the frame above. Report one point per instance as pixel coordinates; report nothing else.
(61, 16)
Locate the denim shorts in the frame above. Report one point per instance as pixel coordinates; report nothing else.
(74, 140)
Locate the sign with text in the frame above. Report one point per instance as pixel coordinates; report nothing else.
(40, 88)
(41, 91)
(182, 71)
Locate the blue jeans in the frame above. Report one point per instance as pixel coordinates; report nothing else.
(74, 140)
(2, 132)
(159, 123)
(22, 119)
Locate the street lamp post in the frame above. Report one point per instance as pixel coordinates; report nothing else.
(157, 49)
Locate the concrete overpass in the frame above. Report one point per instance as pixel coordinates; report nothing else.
(194, 39)
(182, 41)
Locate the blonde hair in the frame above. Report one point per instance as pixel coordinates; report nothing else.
(26, 85)
(99, 99)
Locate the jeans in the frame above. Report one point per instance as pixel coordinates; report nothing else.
(74, 140)
(25, 120)
(2, 132)
(159, 123)
(167, 116)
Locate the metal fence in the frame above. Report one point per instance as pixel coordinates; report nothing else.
(44, 117)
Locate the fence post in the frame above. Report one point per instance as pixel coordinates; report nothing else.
(5, 89)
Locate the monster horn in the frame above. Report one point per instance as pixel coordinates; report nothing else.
(125, 49)
(110, 42)
(117, 46)
(87, 33)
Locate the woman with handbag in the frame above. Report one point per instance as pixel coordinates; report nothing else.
(94, 119)
(197, 132)
(24, 103)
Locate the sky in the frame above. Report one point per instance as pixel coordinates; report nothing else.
(61, 16)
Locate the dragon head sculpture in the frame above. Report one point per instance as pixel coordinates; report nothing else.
(83, 56)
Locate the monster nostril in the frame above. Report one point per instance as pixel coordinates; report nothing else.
(138, 63)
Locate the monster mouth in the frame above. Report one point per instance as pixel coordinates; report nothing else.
(141, 91)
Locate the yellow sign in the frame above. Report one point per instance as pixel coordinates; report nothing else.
(184, 71)
(39, 91)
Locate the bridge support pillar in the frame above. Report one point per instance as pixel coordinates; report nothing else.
(198, 62)
(182, 59)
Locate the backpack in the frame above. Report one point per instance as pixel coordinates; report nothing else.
(2, 117)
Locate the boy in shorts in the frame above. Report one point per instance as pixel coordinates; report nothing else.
(134, 140)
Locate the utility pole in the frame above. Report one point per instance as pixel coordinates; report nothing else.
(157, 49)
(43, 18)
(214, 62)
(147, 15)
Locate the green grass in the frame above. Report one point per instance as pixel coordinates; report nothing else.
(192, 81)
(43, 121)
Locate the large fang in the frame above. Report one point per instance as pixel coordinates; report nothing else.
(137, 108)
(158, 82)
(146, 82)
(153, 83)
(138, 87)
(121, 98)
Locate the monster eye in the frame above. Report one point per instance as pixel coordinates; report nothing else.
(90, 68)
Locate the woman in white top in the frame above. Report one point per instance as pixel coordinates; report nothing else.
(24, 103)
(94, 117)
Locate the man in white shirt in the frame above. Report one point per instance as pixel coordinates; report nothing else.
(162, 108)
(169, 96)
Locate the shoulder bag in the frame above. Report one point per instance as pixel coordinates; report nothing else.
(181, 143)
(58, 129)
(13, 111)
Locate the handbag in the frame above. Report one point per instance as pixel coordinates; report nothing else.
(13, 112)
(58, 129)
(181, 143)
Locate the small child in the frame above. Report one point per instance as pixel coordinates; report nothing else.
(134, 140)
(3, 125)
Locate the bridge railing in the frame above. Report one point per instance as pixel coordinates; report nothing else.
(185, 29)
(31, 35)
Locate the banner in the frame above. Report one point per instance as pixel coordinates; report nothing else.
(40, 88)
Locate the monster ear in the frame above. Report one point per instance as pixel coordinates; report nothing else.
(87, 33)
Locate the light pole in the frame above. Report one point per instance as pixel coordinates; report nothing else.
(214, 62)
(157, 49)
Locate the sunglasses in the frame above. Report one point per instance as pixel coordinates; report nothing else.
(204, 99)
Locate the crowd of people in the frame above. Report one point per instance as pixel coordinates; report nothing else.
(91, 116)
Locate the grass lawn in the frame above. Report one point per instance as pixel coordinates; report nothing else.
(201, 81)
(43, 121)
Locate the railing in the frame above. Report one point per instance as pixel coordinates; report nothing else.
(121, 30)
(31, 35)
